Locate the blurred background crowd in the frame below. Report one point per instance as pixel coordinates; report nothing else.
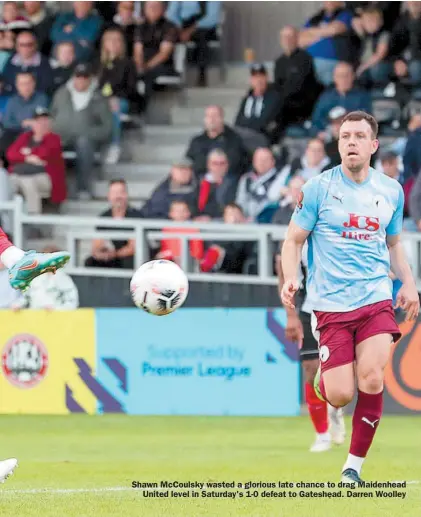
(78, 79)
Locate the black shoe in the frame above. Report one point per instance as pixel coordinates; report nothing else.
(351, 476)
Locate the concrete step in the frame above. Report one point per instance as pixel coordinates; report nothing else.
(226, 97)
(136, 171)
(137, 189)
(194, 115)
(171, 135)
(156, 153)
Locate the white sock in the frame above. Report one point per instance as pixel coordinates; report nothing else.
(10, 256)
(354, 462)
(324, 436)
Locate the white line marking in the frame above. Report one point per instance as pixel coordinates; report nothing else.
(106, 489)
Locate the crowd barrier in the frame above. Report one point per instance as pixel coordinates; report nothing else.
(192, 362)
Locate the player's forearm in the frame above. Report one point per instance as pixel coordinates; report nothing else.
(399, 264)
(291, 258)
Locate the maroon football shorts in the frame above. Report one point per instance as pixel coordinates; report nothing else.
(339, 333)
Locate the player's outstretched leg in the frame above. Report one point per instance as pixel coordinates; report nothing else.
(25, 266)
(6, 468)
(371, 358)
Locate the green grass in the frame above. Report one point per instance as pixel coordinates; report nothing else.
(111, 451)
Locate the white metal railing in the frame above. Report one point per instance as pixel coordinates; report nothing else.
(145, 231)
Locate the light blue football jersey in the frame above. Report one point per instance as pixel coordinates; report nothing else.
(348, 259)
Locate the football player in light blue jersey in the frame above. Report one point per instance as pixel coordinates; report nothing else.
(352, 217)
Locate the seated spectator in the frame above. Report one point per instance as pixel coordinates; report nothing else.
(313, 162)
(6, 194)
(287, 204)
(51, 292)
(12, 18)
(171, 249)
(326, 39)
(261, 186)
(216, 187)
(198, 22)
(83, 120)
(373, 70)
(390, 165)
(82, 27)
(217, 135)
(412, 153)
(117, 82)
(295, 80)
(41, 23)
(405, 44)
(180, 185)
(20, 109)
(27, 59)
(36, 164)
(63, 64)
(7, 46)
(331, 135)
(390, 11)
(228, 257)
(116, 254)
(344, 94)
(127, 21)
(154, 46)
(258, 110)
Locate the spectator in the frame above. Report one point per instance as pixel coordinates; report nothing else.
(180, 185)
(6, 194)
(412, 153)
(228, 257)
(326, 39)
(37, 165)
(289, 201)
(415, 206)
(117, 81)
(373, 70)
(51, 292)
(344, 94)
(20, 108)
(390, 11)
(154, 45)
(258, 110)
(390, 164)
(198, 22)
(217, 135)
(7, 46)
(405, 44)
(331, 135)
(116, 253)
(171, 249)
(41, 21)
(27, 59)
(81, 27)
(12, 19)
(311, 164)
(127, 21)
(63, 65)
(295, 80)
(83, 120)
(216, 186)
(261, 186)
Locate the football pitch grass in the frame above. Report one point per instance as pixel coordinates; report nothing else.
(77, 466)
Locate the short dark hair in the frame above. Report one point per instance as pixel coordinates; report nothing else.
(180, 202)
(372, 9)
(356, 116)
(117, 180)
(27, 72)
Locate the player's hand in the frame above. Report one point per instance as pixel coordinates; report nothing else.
(294, 330)
(408, 299)
(289, 289)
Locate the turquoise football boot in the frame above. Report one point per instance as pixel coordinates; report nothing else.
(34, 264)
